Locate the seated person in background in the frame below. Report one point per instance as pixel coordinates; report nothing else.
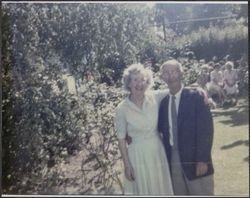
(215, 86)
(230, 82)
(203, 76)
(202, 80)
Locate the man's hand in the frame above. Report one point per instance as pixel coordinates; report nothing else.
(211, 103)
(201, 92)
(128, 139)
(201, 168)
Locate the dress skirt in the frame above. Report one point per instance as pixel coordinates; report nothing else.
(151, 168)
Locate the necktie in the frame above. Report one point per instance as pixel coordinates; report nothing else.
(174, 121)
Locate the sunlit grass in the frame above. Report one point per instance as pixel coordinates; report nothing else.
(231, 150)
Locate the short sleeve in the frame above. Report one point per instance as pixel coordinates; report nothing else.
(120, 123)
(160, 94)
(212, 76)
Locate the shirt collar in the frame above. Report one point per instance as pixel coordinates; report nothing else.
(133, 106)
(177, 95)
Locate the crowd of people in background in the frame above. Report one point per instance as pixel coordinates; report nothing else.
(220, 81)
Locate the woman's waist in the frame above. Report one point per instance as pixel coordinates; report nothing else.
(144, 137)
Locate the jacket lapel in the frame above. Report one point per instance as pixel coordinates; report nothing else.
(182, 105)
(165, 106)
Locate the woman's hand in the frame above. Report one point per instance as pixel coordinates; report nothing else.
(129, 172)
(128, 139)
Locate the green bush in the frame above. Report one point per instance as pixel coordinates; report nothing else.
(216, 41)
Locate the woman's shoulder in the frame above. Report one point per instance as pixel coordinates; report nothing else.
(157, 92)
(158, 95)
(121, 105)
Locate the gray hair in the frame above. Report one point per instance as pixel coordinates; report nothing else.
(172, 62)
(133, 69)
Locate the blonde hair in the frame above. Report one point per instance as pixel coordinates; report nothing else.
(133, 69)
(229, 63)
(205, 66)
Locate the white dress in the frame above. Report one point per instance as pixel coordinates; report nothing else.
(232, 78)
(146, 152)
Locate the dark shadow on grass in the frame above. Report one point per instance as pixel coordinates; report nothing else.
(237, 116)
(246, 159)
(237, 143)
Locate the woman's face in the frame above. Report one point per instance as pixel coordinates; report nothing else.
(205, 70)
(229, 67)
(138, 83)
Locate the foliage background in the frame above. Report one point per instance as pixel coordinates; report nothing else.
(44, 45)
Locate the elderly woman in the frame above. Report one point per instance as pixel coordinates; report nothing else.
(230, 81)
(216, 84)
(202, 82)
(145, 163)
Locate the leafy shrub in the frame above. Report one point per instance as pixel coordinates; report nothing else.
(218, 41)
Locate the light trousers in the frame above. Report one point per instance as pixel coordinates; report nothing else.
(183, 186)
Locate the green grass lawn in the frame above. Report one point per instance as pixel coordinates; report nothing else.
(231, 150)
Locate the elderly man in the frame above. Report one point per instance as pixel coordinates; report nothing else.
(186, 124)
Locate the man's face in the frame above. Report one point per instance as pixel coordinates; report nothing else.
(171, 74)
